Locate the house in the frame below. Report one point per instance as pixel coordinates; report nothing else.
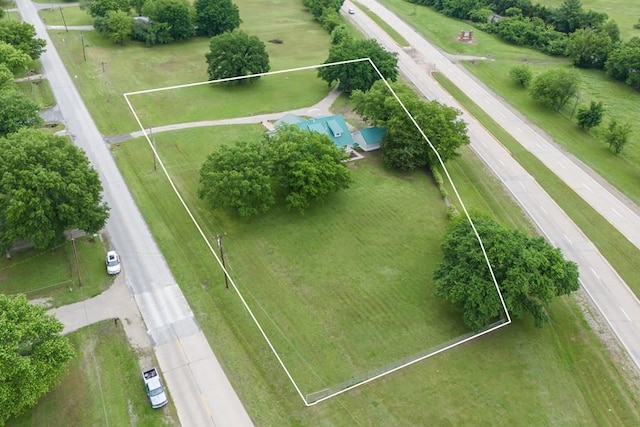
(336, 128)
(369, 139)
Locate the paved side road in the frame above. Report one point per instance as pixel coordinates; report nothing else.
(615, 301)
(201, 392)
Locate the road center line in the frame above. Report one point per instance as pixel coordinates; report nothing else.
(568, 240)
(617, 213)
(594, 272)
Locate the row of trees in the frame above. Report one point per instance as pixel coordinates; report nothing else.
(164, 21)
(326, 12)
(590, 39)
(554, 88)
(46, 187)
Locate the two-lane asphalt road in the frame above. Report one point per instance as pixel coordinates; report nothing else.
(197, 384)
(618, 305)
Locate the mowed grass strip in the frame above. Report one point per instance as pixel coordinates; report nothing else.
(39, 91)
(521, 375)
(53, 275)
(109, 71)
(102, 387)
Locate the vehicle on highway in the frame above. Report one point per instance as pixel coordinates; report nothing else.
(154, 387)
(351, 11)
(113, 262)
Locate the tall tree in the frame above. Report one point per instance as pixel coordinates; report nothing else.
(22, 36)
(308, 166)
(529, 271)
(6, 77)
(46, 187)
(403, 147)
(33, 354)
(568, 17)
(624, 63)
(16, 60)
(238, 177)
(214, 17)
(589, 48)
(117, 25)
(617, 135)
(100, 8)
(590, 117)
(16, 111)
(234, 54)
(177, 14)
(555, 87)
(358, 75)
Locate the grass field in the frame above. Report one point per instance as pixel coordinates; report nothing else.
(102, 388)
(110, 70)
(620, 101)
(559, 375)
(576, 383)
(39, 91)
(52, 274)
(70, 16)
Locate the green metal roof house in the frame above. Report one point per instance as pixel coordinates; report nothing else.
(369, 139)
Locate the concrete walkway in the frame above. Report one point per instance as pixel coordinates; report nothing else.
(117, 302)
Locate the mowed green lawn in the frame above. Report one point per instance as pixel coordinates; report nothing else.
(103, 386)
(70, 16)
(356, 271)
(110, 70)
(303, 274)
(52, 274)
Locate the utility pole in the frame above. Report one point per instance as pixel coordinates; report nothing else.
(64, 20)
(153, 152)
(75, 256)
(84, 53)
(219, 240)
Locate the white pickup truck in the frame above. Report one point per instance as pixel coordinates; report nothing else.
(155, 390)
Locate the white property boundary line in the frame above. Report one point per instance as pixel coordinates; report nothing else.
(215, 255)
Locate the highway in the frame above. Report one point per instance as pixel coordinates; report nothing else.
(610, 294)
(197, 384)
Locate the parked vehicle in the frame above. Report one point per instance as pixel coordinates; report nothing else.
(113, 262)
(154, 387)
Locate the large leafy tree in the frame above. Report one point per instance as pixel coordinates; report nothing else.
(529, 271)
(238, 177)
(589, 48)
(22, 36)
(116, 24)
(234, 54)
(16, 111)
(16, 60)
(33, 354)
(177, 14)
(6, 77)
(555, 87)
(403, 147)
(100, 8)
(214, 17)
(299, 166)
(624, 63)
(318, 7)
(358, 75)
(308, 166)
(46, 187)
